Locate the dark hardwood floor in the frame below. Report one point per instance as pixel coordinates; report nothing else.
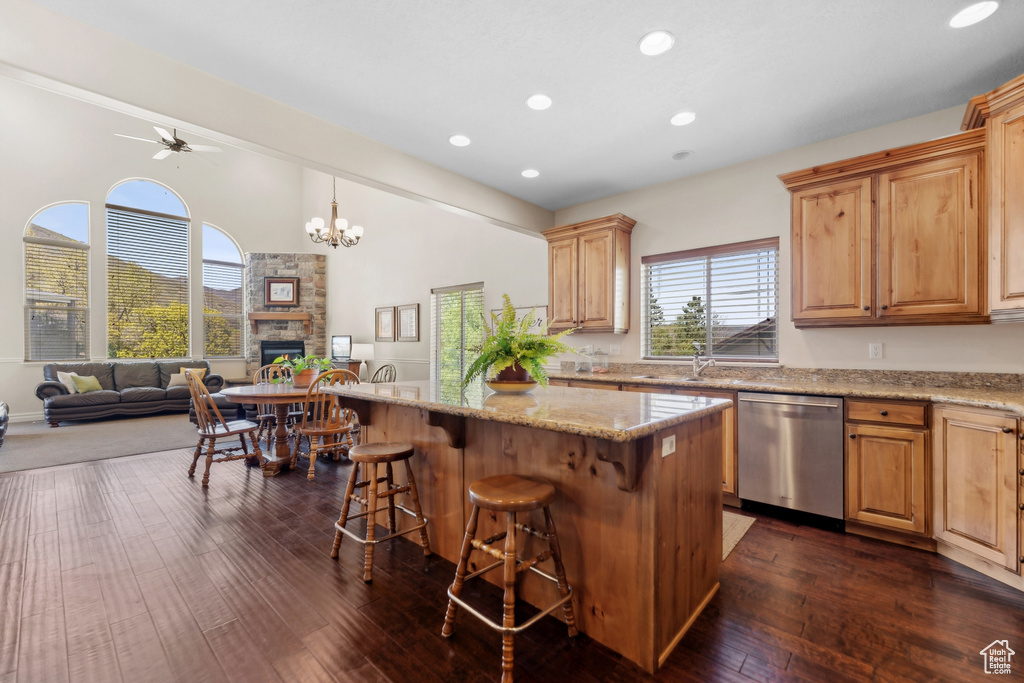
(127, 570)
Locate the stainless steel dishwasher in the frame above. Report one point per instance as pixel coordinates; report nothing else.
(791, 451)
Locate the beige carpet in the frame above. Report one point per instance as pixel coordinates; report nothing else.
(35, 444)
(733, 528)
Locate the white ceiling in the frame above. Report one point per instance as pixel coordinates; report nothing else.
(761, 76)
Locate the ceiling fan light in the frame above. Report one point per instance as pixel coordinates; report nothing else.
(973, 14)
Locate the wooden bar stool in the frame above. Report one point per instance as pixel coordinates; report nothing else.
(368, 457)
(510, 494)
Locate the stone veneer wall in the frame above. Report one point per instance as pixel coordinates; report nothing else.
(311, 269)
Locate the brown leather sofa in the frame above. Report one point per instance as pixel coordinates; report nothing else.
(128, 388)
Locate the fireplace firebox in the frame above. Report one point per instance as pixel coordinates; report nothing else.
(269, 350)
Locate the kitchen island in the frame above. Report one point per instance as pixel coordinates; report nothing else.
(639, 502)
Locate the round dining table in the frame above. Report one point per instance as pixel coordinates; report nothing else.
(281, 396)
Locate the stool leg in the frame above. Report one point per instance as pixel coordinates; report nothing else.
(389, 480)
(414, 501)
(509, 615)
(460, 572)
(563, 585)
(352, 479)
(371, 522)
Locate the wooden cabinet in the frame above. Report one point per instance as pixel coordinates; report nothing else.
(975, 482)
(1001, 114)
(588, 275)
(887, 465)
(892, 238)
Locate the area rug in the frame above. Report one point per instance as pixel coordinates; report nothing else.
(35, 444)
(733, 528)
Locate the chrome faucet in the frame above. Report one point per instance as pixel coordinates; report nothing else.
(699, 367)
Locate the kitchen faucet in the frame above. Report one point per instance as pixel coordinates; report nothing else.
(699, 367)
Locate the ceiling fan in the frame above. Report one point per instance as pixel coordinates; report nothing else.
(171, 142)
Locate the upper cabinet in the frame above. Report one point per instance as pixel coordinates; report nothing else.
(892, 238)
(588, 275)
(1000, 114)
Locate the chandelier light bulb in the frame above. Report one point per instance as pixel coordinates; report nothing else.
(357, 231)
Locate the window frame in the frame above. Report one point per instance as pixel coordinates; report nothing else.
(707, 254)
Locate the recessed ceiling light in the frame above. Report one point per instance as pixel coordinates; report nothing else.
(683, 118)
(531, 173)
(656, 43)
(682, 154)
(459, 140)
(538, 102)
(973, 14)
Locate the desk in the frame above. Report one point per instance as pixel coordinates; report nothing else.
(280, 396)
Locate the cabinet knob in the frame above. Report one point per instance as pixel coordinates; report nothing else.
(867, 308)
(1021, 471)
(853, 436)
(884, 413)
(1007, 430)
(885, 307)
(1022, 506)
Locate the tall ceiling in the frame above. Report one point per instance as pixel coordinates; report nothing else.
(760, 76)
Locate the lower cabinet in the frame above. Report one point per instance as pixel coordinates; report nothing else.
(975, 482)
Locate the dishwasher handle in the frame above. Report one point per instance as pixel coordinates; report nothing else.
(789, 403)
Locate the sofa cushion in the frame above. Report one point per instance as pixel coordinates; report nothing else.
(127, 375)
(101, 371)
(138, 394)
(85, 384)
(178, 392)
(170, 367)
(93, 398)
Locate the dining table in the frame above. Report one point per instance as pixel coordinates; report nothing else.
(281, 396)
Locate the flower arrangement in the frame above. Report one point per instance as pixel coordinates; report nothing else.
(512, 346)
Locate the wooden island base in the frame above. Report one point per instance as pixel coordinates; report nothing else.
(641, 534)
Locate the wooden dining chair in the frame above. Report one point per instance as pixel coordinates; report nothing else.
(213, 428)
(326, 424)
(266, 413)
(385, 373)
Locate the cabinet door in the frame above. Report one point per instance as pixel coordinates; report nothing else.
(597, 284)
(886, 475)
(1006, 175)
(562, 283)
(928, 231)
(729, 436)
(832, 251)
(975, 483)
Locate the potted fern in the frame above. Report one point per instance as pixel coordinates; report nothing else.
(511, 355)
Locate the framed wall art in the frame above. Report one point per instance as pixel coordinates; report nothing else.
(281, 291)
(385, 324)
(409, 323)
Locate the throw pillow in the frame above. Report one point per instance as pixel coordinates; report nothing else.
(65, 379)
(199, 371)
(86, 384)
(177, 380)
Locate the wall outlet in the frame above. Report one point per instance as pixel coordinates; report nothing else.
(614, 350)
(668, 445)
(875, 350)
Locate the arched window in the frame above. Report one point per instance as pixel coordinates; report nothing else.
(57, 283)
(223, 302)
(147, 272)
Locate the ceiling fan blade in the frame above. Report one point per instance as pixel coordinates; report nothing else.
(132, 137)
(204, 148)
(163, 154)
(162, 132)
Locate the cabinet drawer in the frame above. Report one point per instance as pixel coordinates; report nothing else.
(887, 412)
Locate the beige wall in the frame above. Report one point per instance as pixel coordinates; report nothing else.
(747, 201)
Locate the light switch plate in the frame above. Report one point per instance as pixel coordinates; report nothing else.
(668, 445)
(875, 350)
(614, 350)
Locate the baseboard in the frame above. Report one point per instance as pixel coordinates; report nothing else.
(891, 536)
(997, 572)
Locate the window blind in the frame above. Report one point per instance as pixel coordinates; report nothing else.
(56, 299)
(222, 309)
(147, 284)
(720, 302)
(457, 328)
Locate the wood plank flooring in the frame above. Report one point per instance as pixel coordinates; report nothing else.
(127, 570)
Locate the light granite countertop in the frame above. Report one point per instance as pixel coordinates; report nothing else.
(614, 416)
(997, 397)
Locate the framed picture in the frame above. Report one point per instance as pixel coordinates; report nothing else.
(281, 291)
(409, 323)
(385, 324)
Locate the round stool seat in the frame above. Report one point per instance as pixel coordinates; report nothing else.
(380, 452)
(511, 493)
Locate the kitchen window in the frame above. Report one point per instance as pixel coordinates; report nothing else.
(721, 302)
(457, 327)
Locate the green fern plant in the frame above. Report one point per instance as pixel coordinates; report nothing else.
(512, 343)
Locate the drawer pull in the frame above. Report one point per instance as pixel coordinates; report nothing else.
(884, 413)
(1007, 430)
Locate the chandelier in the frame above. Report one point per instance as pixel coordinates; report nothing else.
(337, 231)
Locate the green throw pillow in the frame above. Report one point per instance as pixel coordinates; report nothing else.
(86, 384)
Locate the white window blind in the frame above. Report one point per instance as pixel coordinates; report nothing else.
(222, 309)
(720, 302)
(57, 285)
(457, 327)
(147, 284)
